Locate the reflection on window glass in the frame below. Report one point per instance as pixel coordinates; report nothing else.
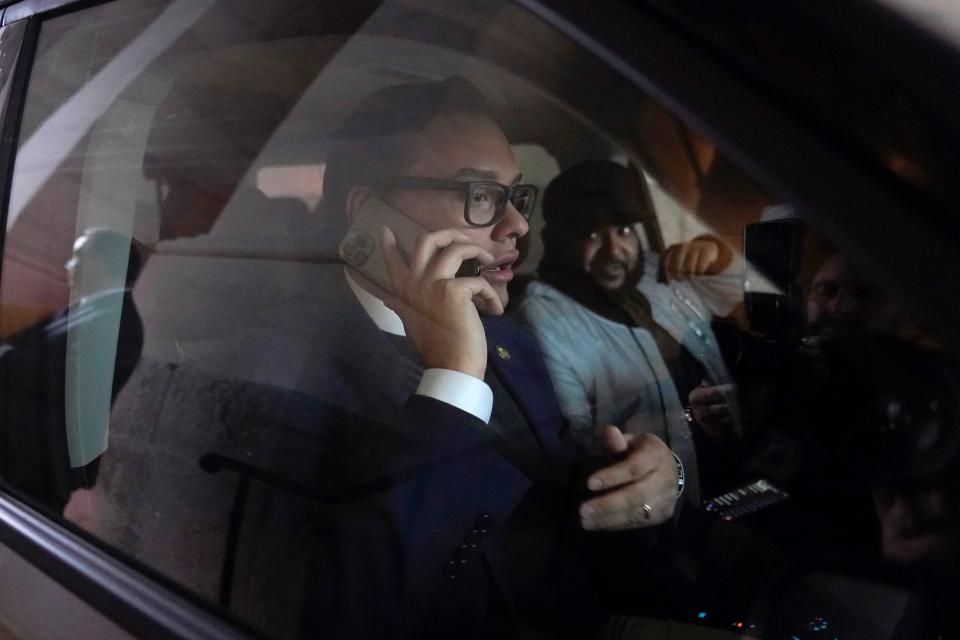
(592, 378)
(302, 182)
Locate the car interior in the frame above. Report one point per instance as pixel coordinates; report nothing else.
(199, 131)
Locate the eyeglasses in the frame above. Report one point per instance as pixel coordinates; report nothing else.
(484, 203)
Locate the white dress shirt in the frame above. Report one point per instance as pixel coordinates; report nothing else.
(453, 387)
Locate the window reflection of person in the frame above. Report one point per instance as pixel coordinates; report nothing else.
(920, 532)
(920, 520)
(611, 331)
(842, 302)
(101, 271)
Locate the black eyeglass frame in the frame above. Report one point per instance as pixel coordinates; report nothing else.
(467, 187)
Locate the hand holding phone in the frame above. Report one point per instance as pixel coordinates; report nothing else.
(419, 268)
(360, 247)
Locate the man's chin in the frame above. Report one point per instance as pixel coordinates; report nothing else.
(615, 279)
(609, 283)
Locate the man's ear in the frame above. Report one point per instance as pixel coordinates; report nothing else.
(355, 199)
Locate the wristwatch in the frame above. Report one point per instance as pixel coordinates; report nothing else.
(681, 475)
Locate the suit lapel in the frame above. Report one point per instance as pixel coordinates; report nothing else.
(513, 358)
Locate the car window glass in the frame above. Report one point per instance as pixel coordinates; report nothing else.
(190, 377)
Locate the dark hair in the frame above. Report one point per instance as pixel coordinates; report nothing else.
(562, 200)
(565, 216)
(373, 144)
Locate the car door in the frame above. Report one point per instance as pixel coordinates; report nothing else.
(166, 240)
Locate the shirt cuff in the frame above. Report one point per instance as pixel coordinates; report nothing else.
(461, 390)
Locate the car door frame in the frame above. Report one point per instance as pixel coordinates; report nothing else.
(756, 127)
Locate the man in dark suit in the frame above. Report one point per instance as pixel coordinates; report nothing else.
(460, 509)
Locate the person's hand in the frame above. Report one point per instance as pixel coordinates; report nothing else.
(704, 255)
(711, 408)
(437, 309)
(639, 490)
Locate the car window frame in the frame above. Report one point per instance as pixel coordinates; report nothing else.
(725, 105)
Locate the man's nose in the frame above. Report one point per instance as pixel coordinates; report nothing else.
(511, 225)
(615, 244)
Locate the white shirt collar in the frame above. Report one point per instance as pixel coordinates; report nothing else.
(383, 317)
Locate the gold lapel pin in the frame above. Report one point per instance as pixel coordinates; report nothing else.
(503, 352)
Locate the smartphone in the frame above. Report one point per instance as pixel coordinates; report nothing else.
(746, 500)
(360, 247)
